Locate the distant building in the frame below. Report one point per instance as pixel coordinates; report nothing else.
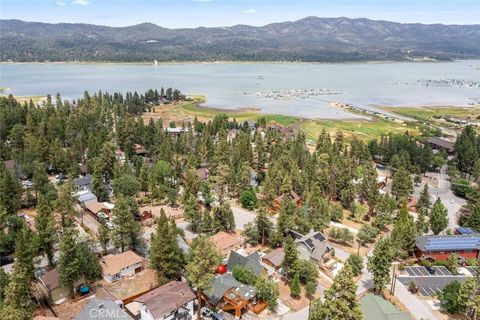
(376, 308)
(103, 309)
(466, 246)
(441, 144)
(84, 182)
(292, 195)
(226, 242)
(121, 265)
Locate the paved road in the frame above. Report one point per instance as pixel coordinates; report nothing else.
(419, 309)
(449, 200)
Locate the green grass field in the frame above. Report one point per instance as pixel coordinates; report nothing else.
(427, 113)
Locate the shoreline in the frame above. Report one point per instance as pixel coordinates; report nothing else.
(144, 63)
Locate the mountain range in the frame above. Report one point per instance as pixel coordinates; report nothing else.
(308, 39)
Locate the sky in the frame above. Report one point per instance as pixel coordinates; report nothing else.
(209, 13)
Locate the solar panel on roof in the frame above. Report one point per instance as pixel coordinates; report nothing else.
(309, 243)
(319, 237)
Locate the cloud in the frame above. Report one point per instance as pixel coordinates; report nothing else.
(250, 11)
(202, 0)
(81, 2)
(60, 4)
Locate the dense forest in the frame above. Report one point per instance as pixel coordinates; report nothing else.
(308, 39)
(133, 163)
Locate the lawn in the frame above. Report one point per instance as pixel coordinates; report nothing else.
(426, 113)
(363, 129)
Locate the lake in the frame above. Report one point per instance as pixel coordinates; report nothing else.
(268, 86)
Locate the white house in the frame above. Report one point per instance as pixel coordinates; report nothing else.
(121, 265)
(173, 300)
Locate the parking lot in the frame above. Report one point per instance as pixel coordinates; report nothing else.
(429, 283)
(422, 271)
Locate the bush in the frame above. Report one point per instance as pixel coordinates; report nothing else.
(356, 262)
(248, 199)
(450, 297)
(461, 187)
(245, 276)
(267, 290)
(307, 271)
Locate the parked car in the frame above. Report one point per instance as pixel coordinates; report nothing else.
(430, 270)
(206, 312)
(6, 260)
(217, 316)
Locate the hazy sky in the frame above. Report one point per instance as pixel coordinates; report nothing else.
(194, 13)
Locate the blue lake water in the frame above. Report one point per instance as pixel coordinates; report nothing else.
(225, 84)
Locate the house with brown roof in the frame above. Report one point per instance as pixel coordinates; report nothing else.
(96, 209)
(226, 242)
(54, 291)
(173, 300)
(274, 258)
(292, 195)
(121, 265)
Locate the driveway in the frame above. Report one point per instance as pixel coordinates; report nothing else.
(242, 217)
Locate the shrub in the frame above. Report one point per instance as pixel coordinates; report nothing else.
(450, 297)
(246, 276)
(356, 262)
(248, 199)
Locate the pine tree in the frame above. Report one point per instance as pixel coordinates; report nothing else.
(65, 204)
(402, 185)
(295, 288)
(18, 304)
(166, 257)
(70, 263)
(473, 220)
(379, 263)
(200, 269)
(264, 226)
(290, 260)
(45, 224)
(424, 203)
(438, 217)
(404, 233)
(125, 227)
(369, 187)
(340, 299)
(104, 236)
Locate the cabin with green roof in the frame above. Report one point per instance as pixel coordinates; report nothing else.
(376, 308)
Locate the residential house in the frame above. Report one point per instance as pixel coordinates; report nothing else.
(313, 246)
(140, 150)
(251, 262)
(176, 131)
(274, 259)
(55, 292)
(173, 300)
(103, 309)
(229, 294)
(96, 209)
(292, 195)
(226, 242)
(84, 182)
(84, 196)
(121, 265)
(465, 246)
(374, 307)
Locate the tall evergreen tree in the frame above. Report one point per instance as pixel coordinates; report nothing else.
(166, 257)
(290, 260)
(402, 185)
(380, 262)
(126, 229)
(45, 224)
(202, 260)
(438, 217)
(18, 304)
(340, 299)
(404, 233)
